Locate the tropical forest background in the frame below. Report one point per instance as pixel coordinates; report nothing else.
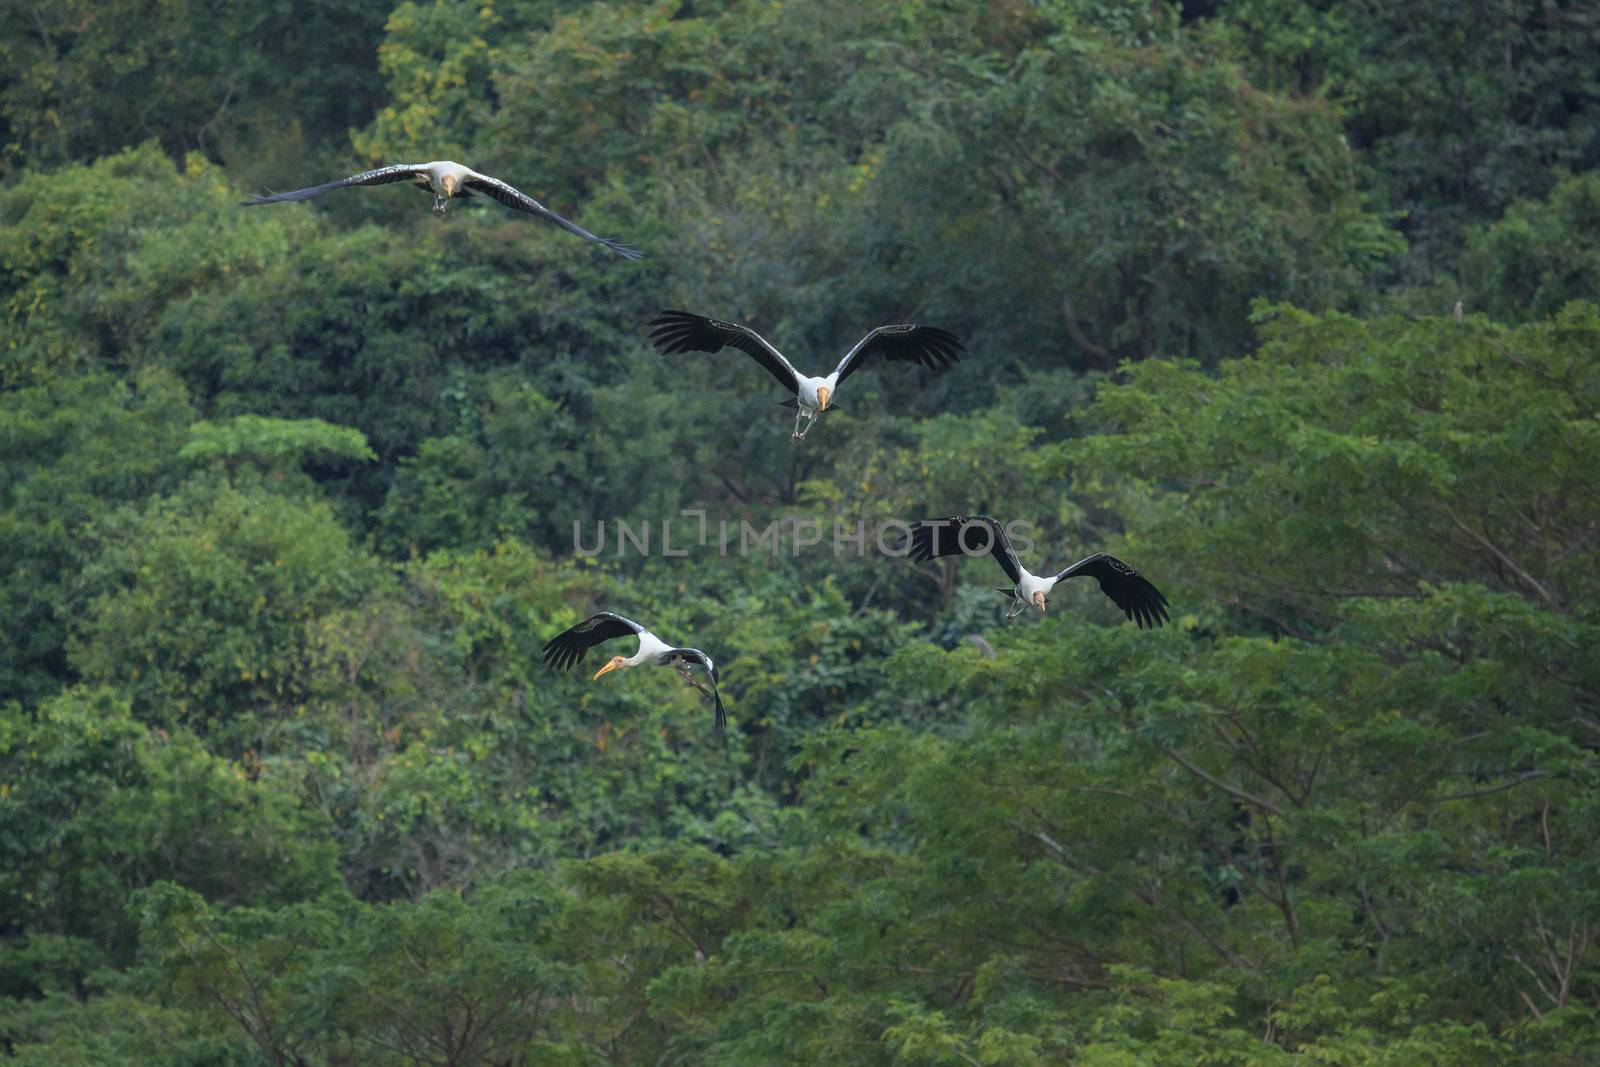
(288, 497)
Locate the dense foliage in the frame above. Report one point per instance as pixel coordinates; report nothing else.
(1293, 305)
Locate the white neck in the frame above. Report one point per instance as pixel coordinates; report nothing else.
(650, 646)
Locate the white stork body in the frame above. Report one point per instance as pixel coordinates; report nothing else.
(682, 331)
(1031, 589)
(568, 648)
(446, 178)
(811, 399)
(651, 648)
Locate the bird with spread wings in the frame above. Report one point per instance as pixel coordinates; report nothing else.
(957, 535)
(568, 648)
(681, 331)
(446, 179)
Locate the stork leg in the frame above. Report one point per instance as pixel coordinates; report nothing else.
(688, 676)
(799, 434)
(1017, 606)
(440, 203)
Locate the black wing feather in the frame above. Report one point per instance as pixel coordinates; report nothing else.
(567, 649)
(683, 331)
(934, 348)
(937, 538)
(1140, 600)
(513, 197)
(694, 655)
(399, 172)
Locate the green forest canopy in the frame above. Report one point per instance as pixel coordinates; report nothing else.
(290, 497)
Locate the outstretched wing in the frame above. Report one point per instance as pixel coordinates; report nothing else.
(513, 197)
(567, 649)
(683, 331)
(1132, 591)
(398, 172)
(928, 345)
(961, 535)
(694, 655)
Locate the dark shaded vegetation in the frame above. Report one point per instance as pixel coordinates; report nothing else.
(288, 503)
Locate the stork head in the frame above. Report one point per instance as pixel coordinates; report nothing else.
(451, 187)
(823, 393)
(612, 664)
(1038, 601)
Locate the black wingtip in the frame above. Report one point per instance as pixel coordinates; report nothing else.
(921, 543)
(558, 655)
(625, 251)
(1149, 614)
(670, 329)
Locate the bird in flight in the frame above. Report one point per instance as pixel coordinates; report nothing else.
(446, 179)
(962, 535)
(567, 649)
(681, 331)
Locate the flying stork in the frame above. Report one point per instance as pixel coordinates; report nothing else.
(445, 179)
(681, 331)
(568, 648)
(963, 535)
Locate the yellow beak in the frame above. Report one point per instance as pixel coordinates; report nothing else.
(1038, 602)
(823, 392)
(608, 667)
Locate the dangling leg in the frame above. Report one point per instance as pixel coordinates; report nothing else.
(810, 418)
(688, 676)
(1015, 602)
(798, 415)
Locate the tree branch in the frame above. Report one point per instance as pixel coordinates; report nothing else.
(1070, 320)
(1515, 567)
(1501, 788)
(1233, 791)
